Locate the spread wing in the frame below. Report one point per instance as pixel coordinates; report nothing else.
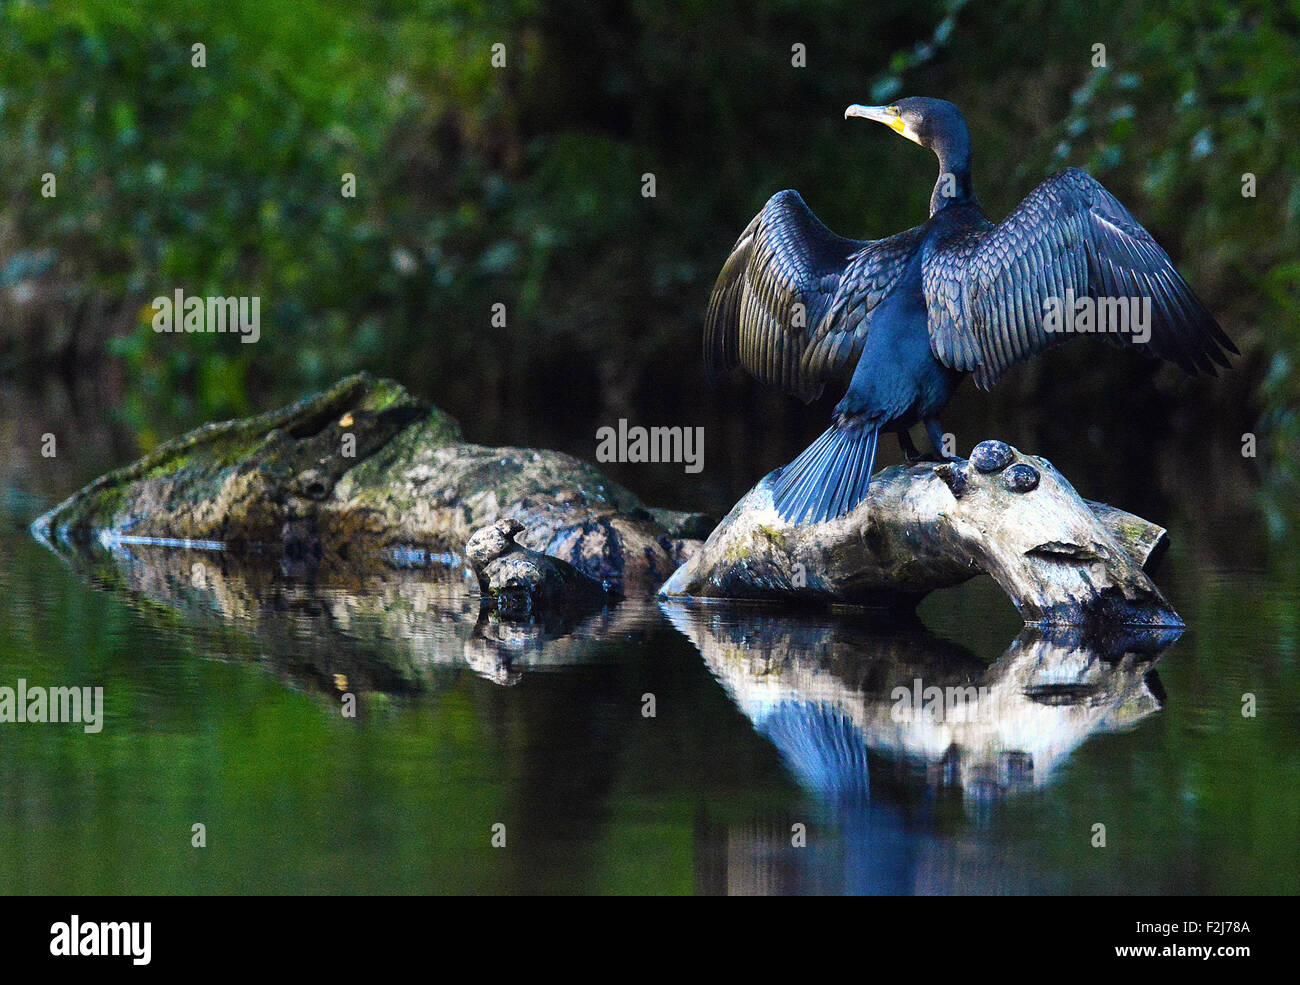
(794, 300)
(1069, 237)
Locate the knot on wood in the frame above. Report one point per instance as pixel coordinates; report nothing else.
(519, 582)
(493, 541)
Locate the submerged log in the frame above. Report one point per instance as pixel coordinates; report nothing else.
(1011, 516)
(365, 473)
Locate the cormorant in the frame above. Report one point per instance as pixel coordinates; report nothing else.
(913, 313)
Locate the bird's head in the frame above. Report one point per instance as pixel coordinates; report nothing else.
(933, 123)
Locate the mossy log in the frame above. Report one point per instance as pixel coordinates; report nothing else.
(364, 473)
(1013, 517)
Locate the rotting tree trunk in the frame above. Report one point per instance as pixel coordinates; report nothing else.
(364, 473)
(1013, 517)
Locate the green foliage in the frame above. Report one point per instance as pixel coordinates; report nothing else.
(227, 179)
(521, 185)
(1191, 120)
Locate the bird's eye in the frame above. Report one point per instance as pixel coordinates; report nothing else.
(893, 111)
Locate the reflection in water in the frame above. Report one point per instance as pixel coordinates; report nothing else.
(904, 743)
(882, 725)
(331, 629)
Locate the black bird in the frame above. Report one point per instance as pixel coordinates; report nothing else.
(912, 314)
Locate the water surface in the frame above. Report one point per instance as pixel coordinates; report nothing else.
(225, 685)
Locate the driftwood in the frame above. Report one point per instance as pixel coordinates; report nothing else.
(519, 582)
(363, 475)
(366, 476)
(1011, 516)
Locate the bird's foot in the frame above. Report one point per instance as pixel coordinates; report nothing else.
(915, 457)
(910, 453)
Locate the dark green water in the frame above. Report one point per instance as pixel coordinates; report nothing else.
(223, 708)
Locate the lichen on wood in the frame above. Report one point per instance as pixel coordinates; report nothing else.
(365, 471)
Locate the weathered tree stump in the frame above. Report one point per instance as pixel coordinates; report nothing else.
(1011, 516)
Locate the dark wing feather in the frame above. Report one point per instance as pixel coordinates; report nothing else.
(786, 258)
(1068, 235)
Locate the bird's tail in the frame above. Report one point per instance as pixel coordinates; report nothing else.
(829, 477)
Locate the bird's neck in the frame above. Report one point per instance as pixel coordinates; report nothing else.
(953, 186)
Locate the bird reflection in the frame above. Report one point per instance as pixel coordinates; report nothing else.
(888, 727)
(828, 691)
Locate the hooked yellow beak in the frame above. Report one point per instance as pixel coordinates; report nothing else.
(888, 115)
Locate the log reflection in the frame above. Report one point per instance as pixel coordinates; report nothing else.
(906, 744)
(828, 691)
